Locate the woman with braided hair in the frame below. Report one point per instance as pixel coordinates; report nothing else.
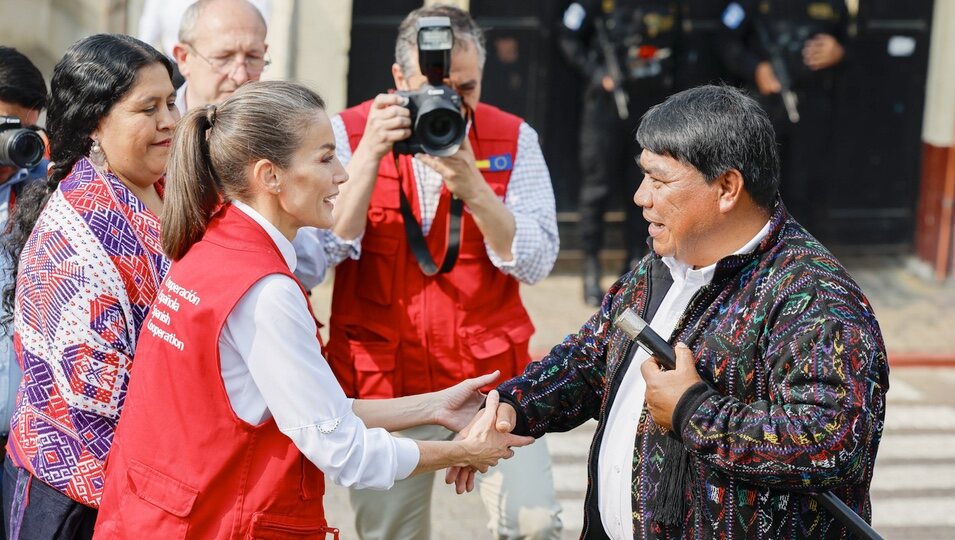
(90, 263)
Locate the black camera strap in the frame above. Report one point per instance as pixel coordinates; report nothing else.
(416, 236)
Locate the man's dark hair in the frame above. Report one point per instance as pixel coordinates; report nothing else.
(715, 129)
(21, 82)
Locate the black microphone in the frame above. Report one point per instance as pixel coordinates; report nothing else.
(639, 330)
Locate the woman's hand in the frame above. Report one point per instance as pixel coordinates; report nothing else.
(484, 444)
(456, 406)
(463, 477)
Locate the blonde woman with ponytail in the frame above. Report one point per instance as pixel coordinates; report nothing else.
(234, 416)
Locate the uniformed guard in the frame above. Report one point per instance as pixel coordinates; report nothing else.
(625, 50)
(788, 52)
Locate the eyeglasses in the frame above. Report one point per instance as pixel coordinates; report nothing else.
(225, 65)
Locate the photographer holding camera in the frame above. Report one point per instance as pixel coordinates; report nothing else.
(22, 97)
(446, 235)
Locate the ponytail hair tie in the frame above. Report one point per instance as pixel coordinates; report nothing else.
(211, 114)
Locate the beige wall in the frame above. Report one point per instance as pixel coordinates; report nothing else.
(43, 29)
(319, 58)
(22, 22)
(938, 128)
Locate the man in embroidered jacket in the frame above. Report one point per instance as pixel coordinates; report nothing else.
(779, 390)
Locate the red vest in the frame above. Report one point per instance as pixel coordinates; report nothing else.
(395, 331)
(183, 465)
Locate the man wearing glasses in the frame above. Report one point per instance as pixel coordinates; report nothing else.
(221, 47)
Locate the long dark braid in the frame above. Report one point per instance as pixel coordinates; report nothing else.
(94, 74)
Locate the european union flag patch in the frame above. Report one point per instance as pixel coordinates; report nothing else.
(500, 162)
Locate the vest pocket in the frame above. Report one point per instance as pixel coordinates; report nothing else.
(503, 347)
(278, 527)
(374, 361)
(387, 192)
(376, 269)
(156, 502)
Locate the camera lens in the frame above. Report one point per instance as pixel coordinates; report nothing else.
(21, 148)
(441, 130)
(438, 127)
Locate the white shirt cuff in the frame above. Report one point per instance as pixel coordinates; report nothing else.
(337, 249)
(500, 264)
(408, 456)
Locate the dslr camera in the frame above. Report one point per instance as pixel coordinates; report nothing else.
(20, 147)
(437, 127)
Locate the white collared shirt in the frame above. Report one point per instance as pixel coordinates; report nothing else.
(272, 366)
(615, 459)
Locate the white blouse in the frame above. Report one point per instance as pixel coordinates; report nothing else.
(272, 366)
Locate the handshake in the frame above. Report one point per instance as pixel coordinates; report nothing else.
(484, 435)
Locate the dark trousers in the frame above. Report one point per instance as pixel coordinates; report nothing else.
(608, 150)
(33, 510)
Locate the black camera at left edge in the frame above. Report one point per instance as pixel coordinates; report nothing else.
(437, 126)
(20, 147)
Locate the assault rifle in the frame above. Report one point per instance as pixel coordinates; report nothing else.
(782, 72)
(613, 69)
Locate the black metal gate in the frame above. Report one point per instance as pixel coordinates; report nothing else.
(874, 169)
(871, 176)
